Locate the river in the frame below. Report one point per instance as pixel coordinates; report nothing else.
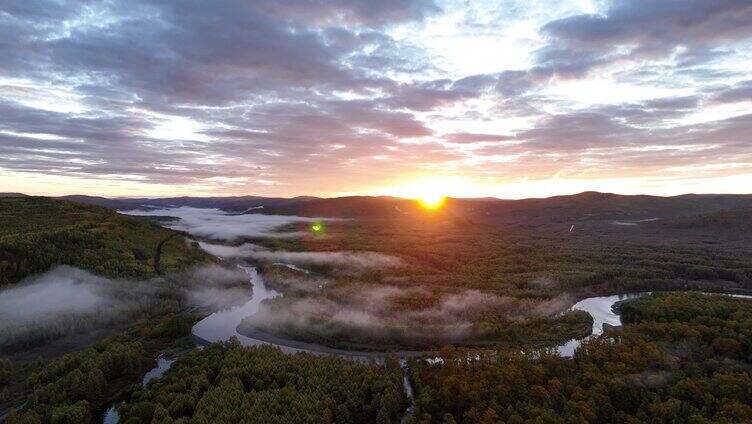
(111, 416)
(223, 324)
(601, 309)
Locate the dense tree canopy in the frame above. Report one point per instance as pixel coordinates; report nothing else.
(530, 273)
(686, 358)
(38, 232)
(228, 383)
(74, 388)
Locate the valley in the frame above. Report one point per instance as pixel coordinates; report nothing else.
(359, 293)
(375, 212)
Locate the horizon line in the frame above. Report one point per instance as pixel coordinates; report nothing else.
(20, 194)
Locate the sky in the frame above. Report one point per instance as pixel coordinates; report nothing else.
(510, 98)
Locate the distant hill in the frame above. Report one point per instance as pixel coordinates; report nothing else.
(12, 195)
(594, 206)
(586, 206)
(39, 232)
(728, 220)
(235, 204)
(347, 207)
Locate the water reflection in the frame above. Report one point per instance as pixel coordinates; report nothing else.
(601, 309)
(111, 416)
(163, 365)
(222, 325)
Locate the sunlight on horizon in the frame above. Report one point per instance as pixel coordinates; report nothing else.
(432, 202)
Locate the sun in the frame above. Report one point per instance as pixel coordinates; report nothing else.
(432, 201)
(429, 192)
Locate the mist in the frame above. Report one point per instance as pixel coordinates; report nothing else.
(66, 300)
(363, 313)
(347, 259)
(219, 225)
(63, 290)
(214, 286)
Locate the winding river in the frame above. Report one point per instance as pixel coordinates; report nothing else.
(601, 309)
(111, 415)
(223, 324)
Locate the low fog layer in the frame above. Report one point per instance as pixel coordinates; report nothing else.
(214, 286)
(67, 300)
(346, 259)
(63, 290)
(366, 313)
(220, 225)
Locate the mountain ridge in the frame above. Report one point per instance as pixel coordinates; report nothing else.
(585, 206)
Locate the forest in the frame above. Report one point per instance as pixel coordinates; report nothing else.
(487, 298)
(77, 386)
(683, 357)
(229, 383)
(540, 261)
(482, 285)
(38, 232)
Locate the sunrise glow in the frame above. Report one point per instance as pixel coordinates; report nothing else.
(432, 202)
(367, 182)
(527, 99)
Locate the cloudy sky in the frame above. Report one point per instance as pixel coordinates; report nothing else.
(509, 98)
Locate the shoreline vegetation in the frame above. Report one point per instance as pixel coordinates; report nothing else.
(680, 357)
(78, 386)
(661, 307)
(229, 383)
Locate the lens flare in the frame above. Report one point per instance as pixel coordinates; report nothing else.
(317, 227)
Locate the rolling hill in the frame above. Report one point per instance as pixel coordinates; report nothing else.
(587, 206)
(233, 204)
(38, 232)
(583, 207)
(728, 220)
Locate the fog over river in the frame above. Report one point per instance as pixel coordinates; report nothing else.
(223, 324)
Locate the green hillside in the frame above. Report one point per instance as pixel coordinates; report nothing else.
(38, 232)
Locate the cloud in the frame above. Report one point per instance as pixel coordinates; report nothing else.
(214, 286)
(638, 29)
(476, 138)
(63, 291)
(133, 67)
(217, 224)
(285, 97)
(351, 12)
(739, 92)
